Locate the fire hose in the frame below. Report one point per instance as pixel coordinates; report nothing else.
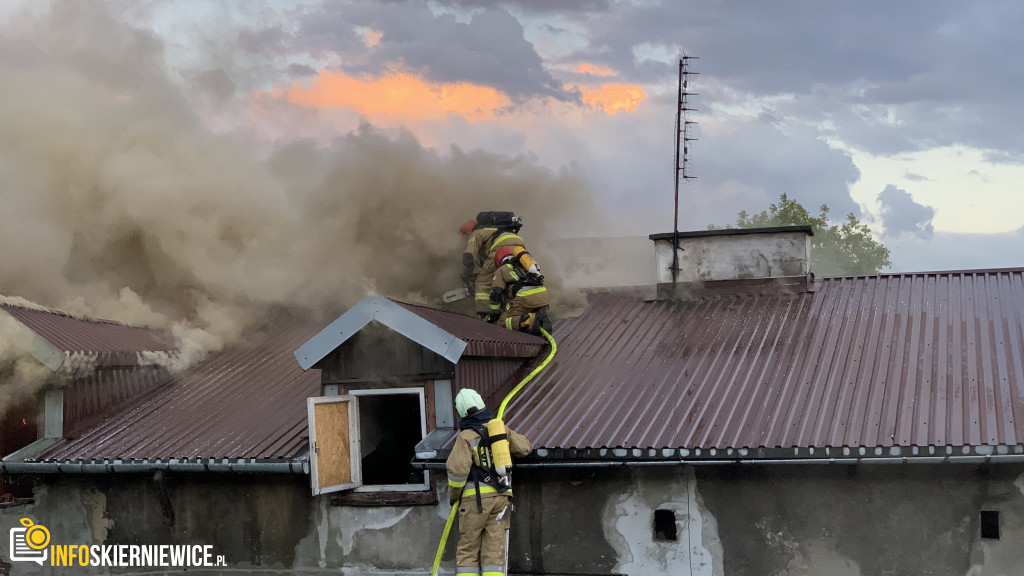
(501, 413)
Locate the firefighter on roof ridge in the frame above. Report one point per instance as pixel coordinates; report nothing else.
(518, 289)
(493, 230)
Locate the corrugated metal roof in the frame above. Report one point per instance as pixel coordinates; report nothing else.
(87, 336)
(248, 401)
(482, 339)
(880, 361)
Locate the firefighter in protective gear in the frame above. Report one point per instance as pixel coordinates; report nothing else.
(506, 237)
(468, 274)
(482, 494)
(518, 288)
(492, 231)
(479, 234)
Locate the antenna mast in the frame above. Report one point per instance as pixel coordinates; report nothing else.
(684, 135)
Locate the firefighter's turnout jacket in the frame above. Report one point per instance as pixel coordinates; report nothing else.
(484, 280)
(481, 549)
(523, 293)
(476, 251)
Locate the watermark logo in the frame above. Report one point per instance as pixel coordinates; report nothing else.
(31, 543)
(28, 544)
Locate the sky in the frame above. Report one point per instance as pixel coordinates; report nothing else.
(905, 114)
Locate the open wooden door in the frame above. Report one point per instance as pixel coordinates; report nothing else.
(334, 460)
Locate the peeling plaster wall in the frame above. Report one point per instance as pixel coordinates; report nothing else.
(734, 521)
(735, 257)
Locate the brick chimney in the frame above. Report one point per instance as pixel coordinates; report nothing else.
(748, 260)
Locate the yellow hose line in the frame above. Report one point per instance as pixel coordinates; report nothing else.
(444, 538)
(501, 412)
(531, 375)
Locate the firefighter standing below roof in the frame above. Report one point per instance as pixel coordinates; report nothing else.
(518, 289)
(478, 480)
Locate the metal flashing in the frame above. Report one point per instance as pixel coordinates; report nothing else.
(732, 232)
(388, 313)
(40, 348)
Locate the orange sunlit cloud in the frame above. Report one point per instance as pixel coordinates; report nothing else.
(371, 37)
(396, 95)
(611, 98)
(594, 70)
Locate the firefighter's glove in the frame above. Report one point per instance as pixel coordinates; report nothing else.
(466, 275)
(496, 293)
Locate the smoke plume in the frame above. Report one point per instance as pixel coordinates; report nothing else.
(123, 204)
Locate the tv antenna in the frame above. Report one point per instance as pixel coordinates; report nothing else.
(684, 136)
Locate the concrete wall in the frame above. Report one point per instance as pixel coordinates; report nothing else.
(735, 257)
(736, 521)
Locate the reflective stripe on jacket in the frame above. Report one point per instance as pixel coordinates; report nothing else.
(463, 456)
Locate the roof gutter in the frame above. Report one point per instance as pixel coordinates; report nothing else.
(220, 466)
(981, 459)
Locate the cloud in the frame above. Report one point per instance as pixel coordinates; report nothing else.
(612, 98)
(902, 215)
(487, 50)
(594, 69)
(401, 96)
(956, 251)
(916, 177)
(537, 6)
(128, 207)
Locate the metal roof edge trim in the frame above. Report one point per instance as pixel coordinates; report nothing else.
(732, 232)
(421, 330)
(218, 465)
(336, 333)
(41, 349)
(392, 315)
(654, 456)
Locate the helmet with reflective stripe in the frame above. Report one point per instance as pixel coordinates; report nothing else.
(467, 227)
(503, 253)
(468, 402)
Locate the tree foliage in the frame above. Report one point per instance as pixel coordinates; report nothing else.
(846, 249)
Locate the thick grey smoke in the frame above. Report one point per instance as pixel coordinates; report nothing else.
(122, 204)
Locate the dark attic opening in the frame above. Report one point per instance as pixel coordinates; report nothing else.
(990, 524)
(390, 426)
(665, 525)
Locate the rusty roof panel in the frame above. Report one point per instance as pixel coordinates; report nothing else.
(248, 401)
(892, 360)
(482, 339)
(86, 336)
(491, 377)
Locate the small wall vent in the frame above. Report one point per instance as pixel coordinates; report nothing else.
(990, 524)
(665, 525)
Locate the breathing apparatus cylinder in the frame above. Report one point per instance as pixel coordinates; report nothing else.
(501, 457)
(525, 260)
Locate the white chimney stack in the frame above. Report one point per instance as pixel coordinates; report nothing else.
(710, 256)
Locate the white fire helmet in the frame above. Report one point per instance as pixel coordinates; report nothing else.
(467, 399)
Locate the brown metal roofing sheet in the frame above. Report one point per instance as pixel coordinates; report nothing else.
(889, 360)
(482, 339)
(248, 401)
(490, 377)
(81, 335)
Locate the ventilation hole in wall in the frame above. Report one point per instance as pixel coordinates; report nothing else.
(990, 524)
(664, 525)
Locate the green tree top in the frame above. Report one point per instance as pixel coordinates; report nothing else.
(846, 249)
